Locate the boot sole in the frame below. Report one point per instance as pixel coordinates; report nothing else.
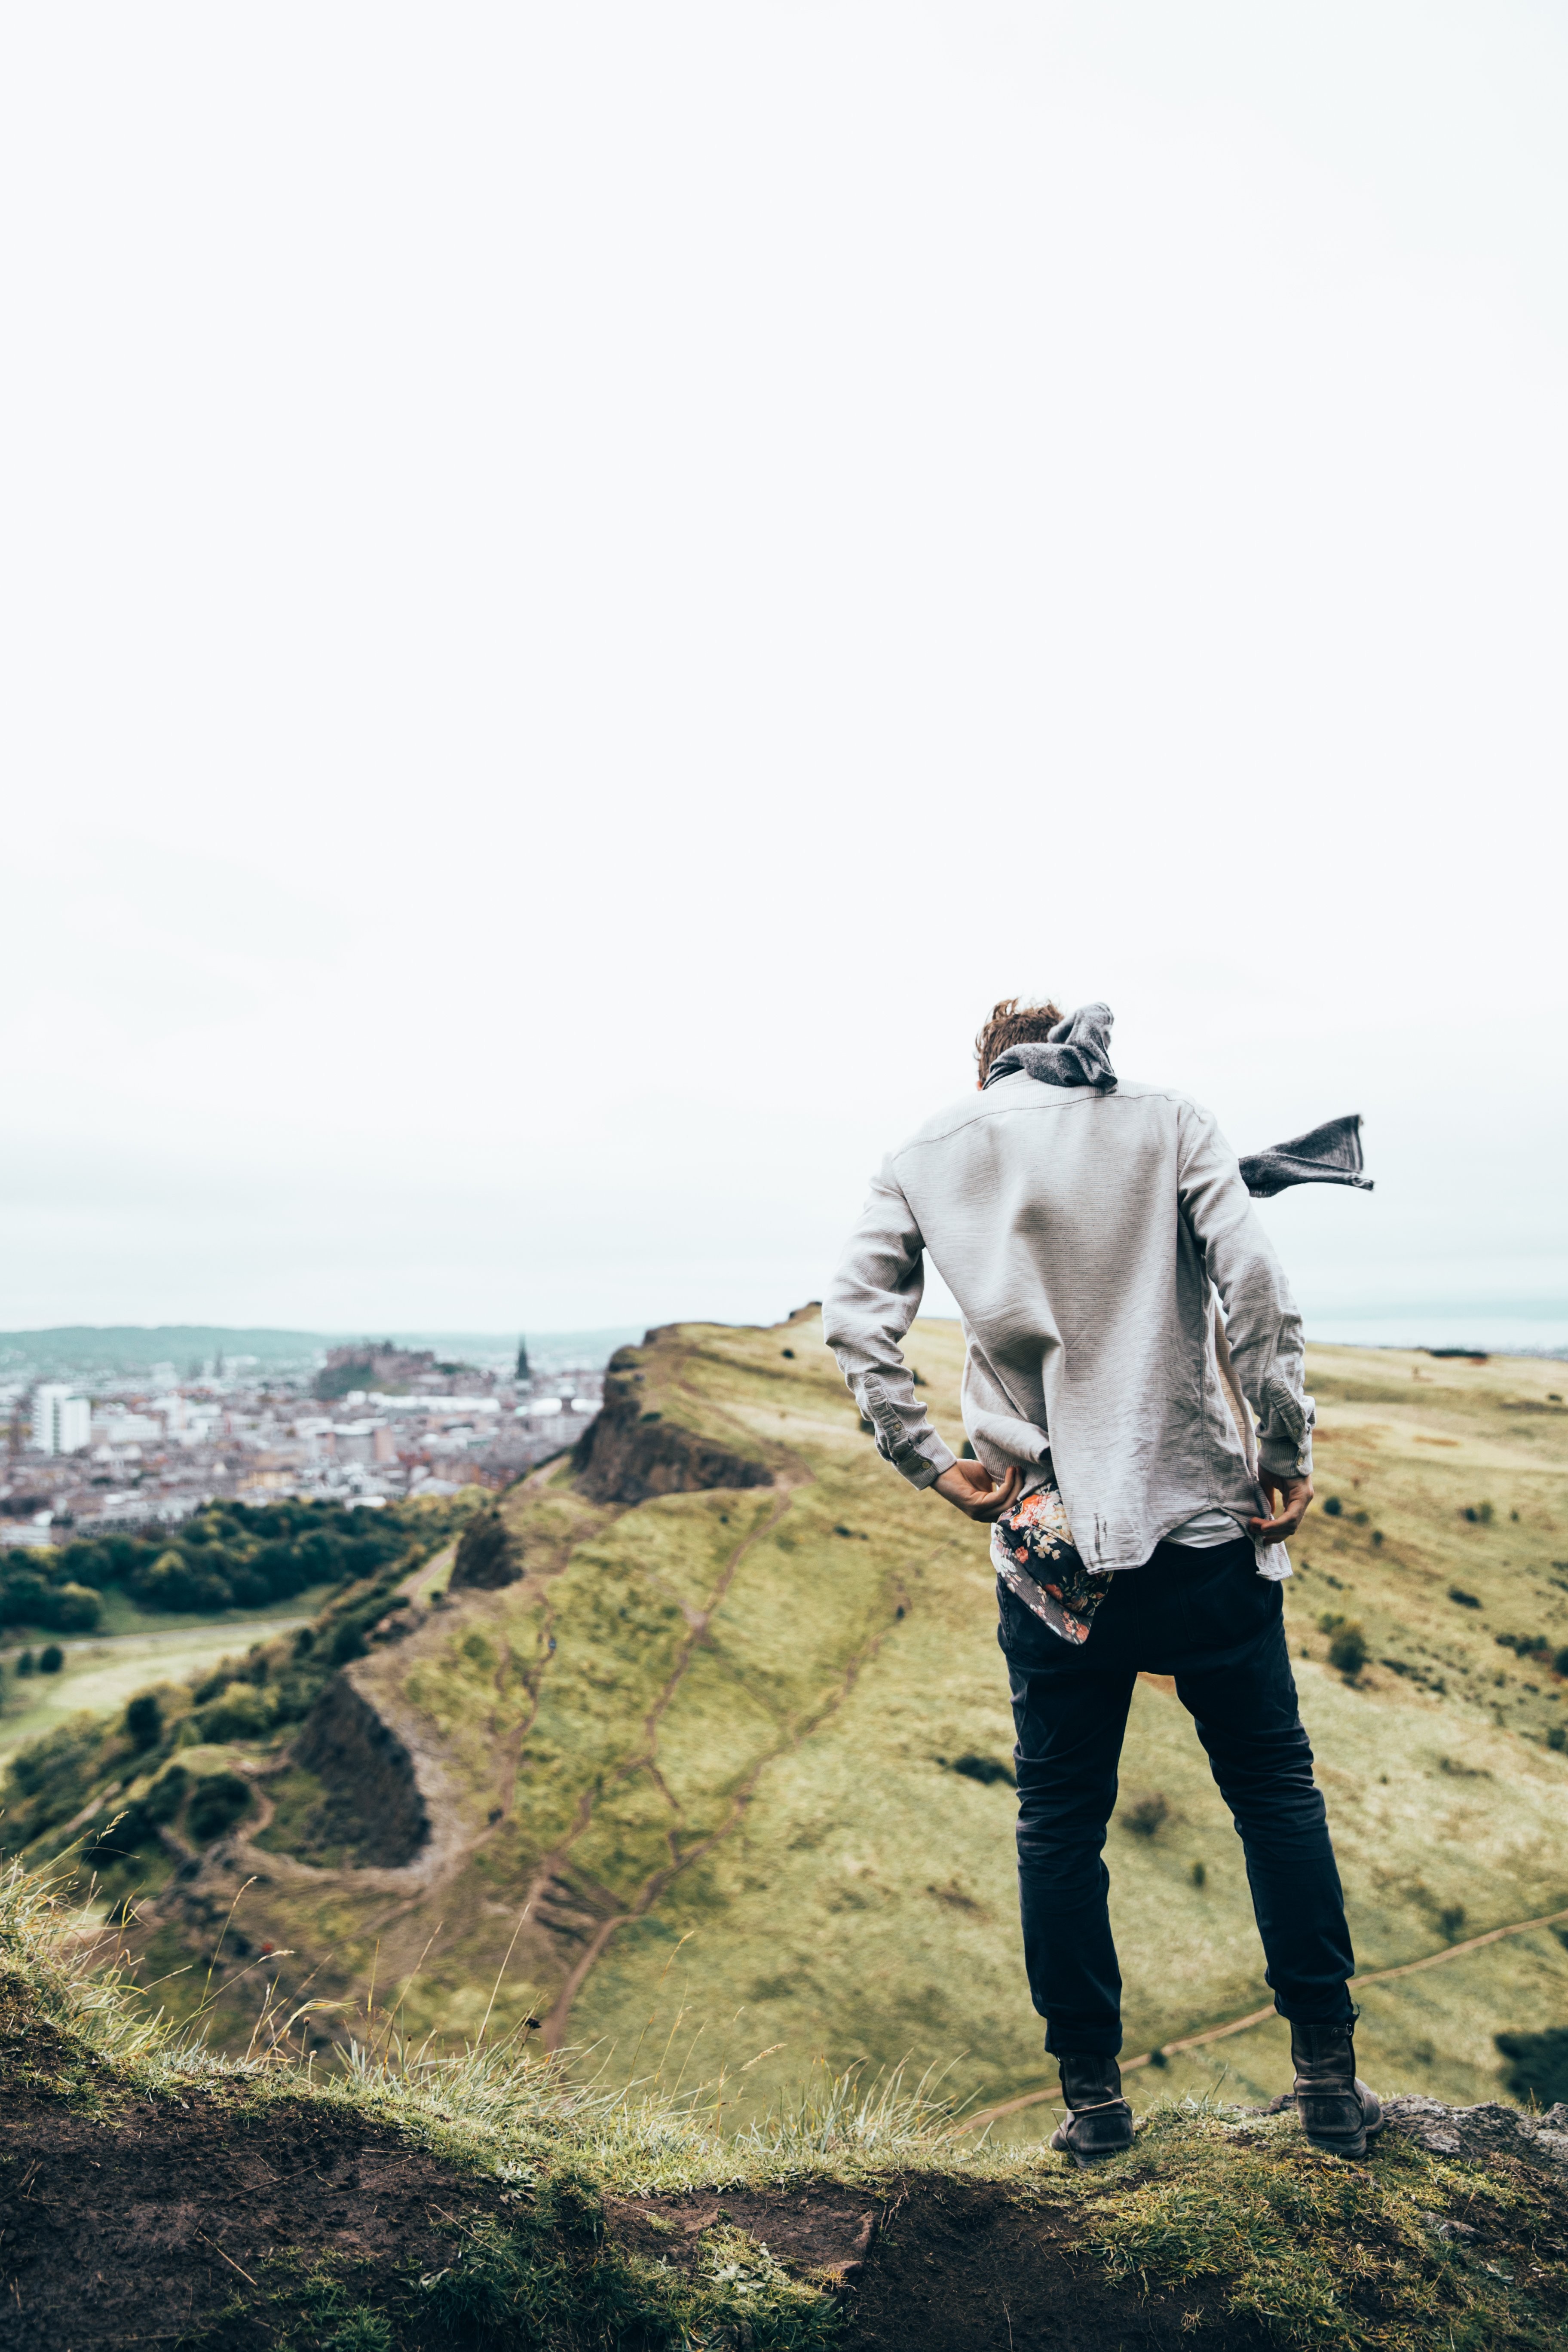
(1351, 2147)
(1080, 2155)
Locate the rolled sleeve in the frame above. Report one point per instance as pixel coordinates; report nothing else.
(870, 1304)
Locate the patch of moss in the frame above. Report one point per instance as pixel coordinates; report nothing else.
(1321, 2253)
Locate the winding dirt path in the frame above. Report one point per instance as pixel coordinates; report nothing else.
(655, 1886)
(697, 1623)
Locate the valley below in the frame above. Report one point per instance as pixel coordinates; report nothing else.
(599, 1926)
(712, 1783)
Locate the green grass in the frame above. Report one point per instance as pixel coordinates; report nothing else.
(1318, 2252)
(691, 1785)
(1308, 2251)
(134, 1649)
(121, 1614)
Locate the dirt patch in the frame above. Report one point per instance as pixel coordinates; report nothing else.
(935, 2264)
(229, 2224)
(824, 2230)
(192, 2221)
(147, 2229)
(969, 2266)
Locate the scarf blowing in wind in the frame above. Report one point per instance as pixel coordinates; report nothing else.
(1077, 1053)
(1032, 1547)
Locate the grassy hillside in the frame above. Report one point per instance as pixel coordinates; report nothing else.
(489, 2197)
(724, 1773)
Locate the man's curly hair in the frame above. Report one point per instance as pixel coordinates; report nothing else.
(1013, 1023)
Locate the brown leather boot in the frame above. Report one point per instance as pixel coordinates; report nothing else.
(1098, 2120)
(1338, 2112)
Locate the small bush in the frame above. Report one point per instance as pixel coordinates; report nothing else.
(72, 1609)
(1557, 1737)
(23, 1598)
(1479, 1515)
(51, 1658)
(1332, 1507)
(238, 1712)
(1146, 1818)
(1199, 1875)
(489, 1555)
(1559, 1662)
(1538, 2063)
(1450, 1920)
(175, 1581)
(1348, 1652)
(216, 1803)
(27, 1663)
(1465, 1600)
(986, 1769)
(51, 1779)
(167, 1794)
(144, 1720)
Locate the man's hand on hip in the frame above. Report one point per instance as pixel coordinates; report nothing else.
(969, 1488)
(1287, 1499)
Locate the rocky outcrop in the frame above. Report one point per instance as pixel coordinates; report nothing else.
(627, 1453)
(1490, 2129)
(489, 1556)
(352, 1752)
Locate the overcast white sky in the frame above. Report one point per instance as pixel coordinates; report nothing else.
(585, 586)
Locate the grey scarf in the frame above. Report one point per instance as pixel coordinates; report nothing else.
(1077, 1053)
(1330, 1154)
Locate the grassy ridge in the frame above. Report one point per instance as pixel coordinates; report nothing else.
(695, 1773)
(487, 2196)
(865, 1906)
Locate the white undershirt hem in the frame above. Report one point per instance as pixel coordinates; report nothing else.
(1204, 1529)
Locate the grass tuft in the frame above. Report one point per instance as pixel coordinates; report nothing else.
(1232, 2206)
(1318, 2251)
(554, 2278)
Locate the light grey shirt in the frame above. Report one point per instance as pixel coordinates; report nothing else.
(1085, 1235)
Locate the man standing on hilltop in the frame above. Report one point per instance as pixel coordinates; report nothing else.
(1084, 1226)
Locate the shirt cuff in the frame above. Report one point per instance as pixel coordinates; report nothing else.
(1282, 1459)
(923, 1470)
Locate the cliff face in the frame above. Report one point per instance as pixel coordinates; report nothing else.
(350, 1748)
(626, 1455)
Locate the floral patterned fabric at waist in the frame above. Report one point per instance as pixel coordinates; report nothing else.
(1034, 1556)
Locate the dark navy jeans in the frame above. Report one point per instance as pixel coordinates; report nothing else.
(1210, 1620)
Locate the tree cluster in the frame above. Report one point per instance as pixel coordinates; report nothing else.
(233, 1554)
(138, 1756)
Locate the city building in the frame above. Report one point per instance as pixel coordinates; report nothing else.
(62, 1422)
(117, 1453)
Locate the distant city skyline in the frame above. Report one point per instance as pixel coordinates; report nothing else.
(174, 1347)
